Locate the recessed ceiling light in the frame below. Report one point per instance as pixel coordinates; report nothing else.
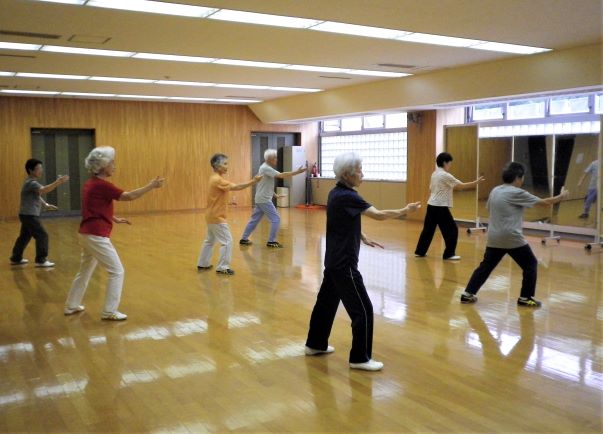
(89, 51)
(173, 58)
(123, 80)
(265, 19)
(425, 38)
(184, 83)
(18, 46)
(60, 76)
(316, 68)
(358, 30)
(87, 94)
(33, 92)
(155, 7)
(241, 86)
(249, 63)
(294, 89)
(509, 48)
(142, 96)
(376, 73)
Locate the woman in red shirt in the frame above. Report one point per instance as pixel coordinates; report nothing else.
(95, 229)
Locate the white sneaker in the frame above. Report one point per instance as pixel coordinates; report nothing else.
(371, 365)
(45, 264)
(453, 258)
(312, 352)
(114, 316)
(21, 262)
(72, 310)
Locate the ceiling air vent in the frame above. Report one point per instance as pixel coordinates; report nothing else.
(90, 39)
(29, 34)
(396, 65)
(19, 56)
(334, 77)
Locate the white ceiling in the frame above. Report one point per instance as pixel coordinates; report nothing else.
(554, 24)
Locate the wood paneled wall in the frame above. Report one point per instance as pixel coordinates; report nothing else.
(494, 154)
(380, 194)
(421, 160)
(170, 139)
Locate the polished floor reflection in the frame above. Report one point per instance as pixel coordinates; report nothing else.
(208, 353)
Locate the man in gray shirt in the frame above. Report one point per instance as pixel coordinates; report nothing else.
(264, 192)
(29, 215)
(591, 193)
(506, 205)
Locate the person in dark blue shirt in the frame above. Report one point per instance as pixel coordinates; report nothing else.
(342, 280)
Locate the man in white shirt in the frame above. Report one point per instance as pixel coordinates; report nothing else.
(438, 208)
(591, 194)
(263, 199)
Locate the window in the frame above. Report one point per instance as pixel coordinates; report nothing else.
(599, 103)
(332, 125)
(351, 124)
(383, 154)
(526, 109)
(488, 112)
(373, 121)
(395, 120)
(569, 105)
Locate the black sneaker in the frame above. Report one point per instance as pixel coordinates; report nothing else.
(274, 244)
(528, 302)
(245, 243)
(583, 216)
(227, 272)
(209, 267)
(468, 299)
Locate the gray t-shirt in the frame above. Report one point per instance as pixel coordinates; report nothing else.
(593, 170)
(264, 189)
(31, 203)
(506, 205)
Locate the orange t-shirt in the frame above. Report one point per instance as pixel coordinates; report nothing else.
(217, 200)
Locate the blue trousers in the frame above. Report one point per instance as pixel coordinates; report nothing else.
(591, 197)
(261, 210)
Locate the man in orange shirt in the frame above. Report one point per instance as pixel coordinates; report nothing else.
(215, 215)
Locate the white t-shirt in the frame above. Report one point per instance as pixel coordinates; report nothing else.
(264, 189)
(593, 170)
(442, 184)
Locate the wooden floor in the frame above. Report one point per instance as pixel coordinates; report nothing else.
(208, 353)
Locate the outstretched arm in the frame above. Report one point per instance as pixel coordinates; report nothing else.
(135, 194)
(469, 185)
(282, 175)
(249, 183)
(48, 188)
(386, 214)
(554, 199)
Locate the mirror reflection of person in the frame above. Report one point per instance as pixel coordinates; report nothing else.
(438, 208)
(506, 205)
(591, 193)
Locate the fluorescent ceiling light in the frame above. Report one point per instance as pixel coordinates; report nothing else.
(173, 58)
(34, 92)
(376, 73)
(61, 76)
(123, 80)
(90, 51)
(425, 38)
(509, 48)
(265, 19)
(6, 74)
(316, 68)
(249, 63)
(86, 94)
(154, 7)
(18, 46)
(68, 2)
(294, 89)
(357, 30)
(184, 83)
(142, 96)
(241, 86)
(245, 101)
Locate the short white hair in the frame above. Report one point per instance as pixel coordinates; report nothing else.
(99, 158)
(346, 164)
(269, 153)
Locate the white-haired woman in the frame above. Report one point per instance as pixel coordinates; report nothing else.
(95, 229)
(264, 193)
(342, 281)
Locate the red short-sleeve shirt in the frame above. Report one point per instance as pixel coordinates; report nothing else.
(97, 207)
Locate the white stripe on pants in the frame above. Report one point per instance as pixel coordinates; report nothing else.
(97, 249)
(221, 233)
